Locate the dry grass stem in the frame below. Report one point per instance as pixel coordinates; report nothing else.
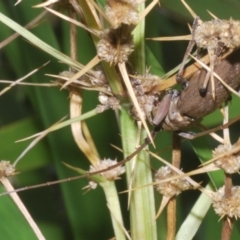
(22, 208)
(171, 208)
(189, 9)
(76, 110)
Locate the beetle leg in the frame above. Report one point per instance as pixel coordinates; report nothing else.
(203, 85)
(162, 109)
(191, 44)
(180, 79)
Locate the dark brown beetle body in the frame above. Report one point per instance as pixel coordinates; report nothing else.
(191, 105)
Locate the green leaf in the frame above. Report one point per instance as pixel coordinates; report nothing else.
(36, 158)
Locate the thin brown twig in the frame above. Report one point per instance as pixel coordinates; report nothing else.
(171, 219)
(227, 222)
(171, 208)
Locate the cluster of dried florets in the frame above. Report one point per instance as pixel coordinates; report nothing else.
(217, 34)
(227, 206)
(96, 81)
(111, 174)
(123, 12)
(107, 101)
(148, 82)
(143, 88)
(172, 187)
(230, 163)
(115, 46)
(6, 169)
(147, 99)
(99, 78)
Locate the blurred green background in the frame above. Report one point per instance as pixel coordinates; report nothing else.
(64, 211)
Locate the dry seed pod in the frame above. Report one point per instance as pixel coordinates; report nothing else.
(95, 80)
(230, 163)
(147, 98)
(99, 79)
(122, 12)
(148, 82)
(216, 34)
(115, 45)
(173, 187)
(6, 169)
(146, 104)
(111, 174)
(227, 206)
(108, 101)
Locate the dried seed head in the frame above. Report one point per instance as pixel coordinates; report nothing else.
(111, 174)
(230, 163)
(6, 169)
(173, 187)
(230, 34)
(122, 12)
(207, 34)
(146, 104)
(107, 101)
(99, 79)
(147, 99)
(216, 34)
(148, 82)
(227, 206)
(114, 46)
